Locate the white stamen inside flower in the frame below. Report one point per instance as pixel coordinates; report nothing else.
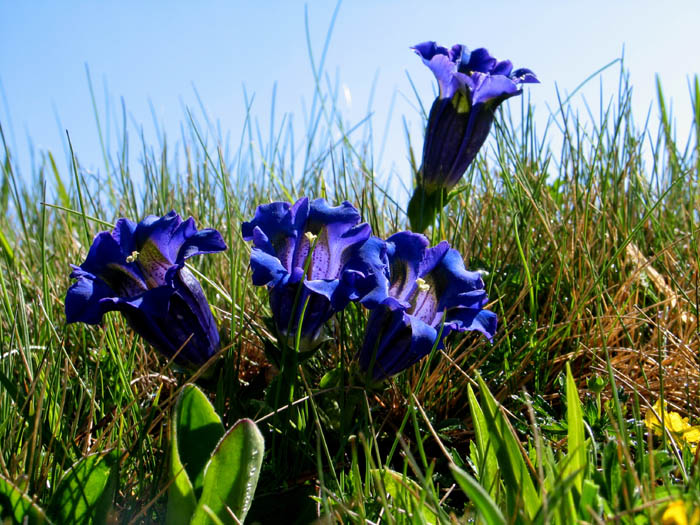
(133, 257)
(310, 237)
(422, 285)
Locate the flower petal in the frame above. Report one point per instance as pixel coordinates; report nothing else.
(427, 50)
(398, 357)
(199, 242)
(335, 231)
(175, 320)
(484, 321)
(504, 67)
(524, 76)
(84, 300)
(479, 60)
(154, 235)
(405, 251)
(494, 88)
(267, 269)
(443, 63)
(281, 224)
(371, 259)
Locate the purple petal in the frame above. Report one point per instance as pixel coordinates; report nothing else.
(405, 251)
(399, 356)
(106, 260)
(427, 50)
(458, 52)
(524, 76)
(197, 242)
(372, 260)
(480, 60)
(503, 68)
(267, 269)
(84, 300)
(484, 321)
(282, 225)
(331, 249)
(496, 88)
(154, 235)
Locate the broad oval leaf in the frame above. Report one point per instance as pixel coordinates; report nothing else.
(86, 491)
(231, 475)
(195, 430)
(198, 429)
(17, 506)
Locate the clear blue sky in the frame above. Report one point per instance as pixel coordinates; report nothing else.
(157, 51)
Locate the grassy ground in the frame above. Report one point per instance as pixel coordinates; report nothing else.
(591, 258)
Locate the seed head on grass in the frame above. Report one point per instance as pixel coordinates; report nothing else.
(139, 270)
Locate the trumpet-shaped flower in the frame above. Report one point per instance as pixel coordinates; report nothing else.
(471, 86)
(313, 259)
(139, 270)
(425, 294)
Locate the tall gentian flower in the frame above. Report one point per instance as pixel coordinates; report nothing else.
(314, 261)
(425, 290)
(139, 270)
(472, 85)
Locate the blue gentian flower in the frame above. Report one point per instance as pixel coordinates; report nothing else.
(423, 291)
(313, 258)
(139, 270)
(472, 85)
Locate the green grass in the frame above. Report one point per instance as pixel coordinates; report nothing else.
(590, 253)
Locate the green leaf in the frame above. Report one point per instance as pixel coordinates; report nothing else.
(195, 431)
(17, 506)
(86, 491)
(9, 252)
(590, 499)
(576, 440)
(60, 187)
(231, 475)
(560, 503)
(181, 500)
(519, 487)
(488, 466)
(405, 493)
(478, 496)
(198, 429)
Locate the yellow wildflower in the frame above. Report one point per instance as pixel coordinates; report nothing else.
(677, 514)
(677, 425)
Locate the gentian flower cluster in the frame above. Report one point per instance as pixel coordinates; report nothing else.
(424, 294)
(315, 259)
(139, 270)
(310, 257)
(471, 86)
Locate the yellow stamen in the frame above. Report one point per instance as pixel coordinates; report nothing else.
(133, 257)
(422, 285)
(310, 237)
